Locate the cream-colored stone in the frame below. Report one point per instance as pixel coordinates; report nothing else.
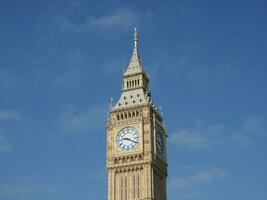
(139, 174)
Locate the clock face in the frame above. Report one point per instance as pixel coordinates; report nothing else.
(159, 143)
(127, 138)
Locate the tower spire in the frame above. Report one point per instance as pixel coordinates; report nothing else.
(135, 65)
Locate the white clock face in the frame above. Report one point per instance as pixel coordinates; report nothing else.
(159, 143)
(127, 139)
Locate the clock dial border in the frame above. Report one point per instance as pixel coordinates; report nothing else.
(127, 139)
(159, 143)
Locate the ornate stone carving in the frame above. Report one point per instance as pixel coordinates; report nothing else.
(139, 167)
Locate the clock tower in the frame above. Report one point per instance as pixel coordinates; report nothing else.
(136, 139)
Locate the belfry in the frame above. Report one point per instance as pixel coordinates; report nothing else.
(136, 139)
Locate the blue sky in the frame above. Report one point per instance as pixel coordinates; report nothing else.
(61, 61)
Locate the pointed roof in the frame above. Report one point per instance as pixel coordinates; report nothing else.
(135, 65)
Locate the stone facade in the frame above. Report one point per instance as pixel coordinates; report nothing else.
(136, 161)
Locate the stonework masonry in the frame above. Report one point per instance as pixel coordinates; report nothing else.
(136, 139)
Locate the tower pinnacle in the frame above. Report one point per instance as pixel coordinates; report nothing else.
(135, 65)
(135, 37)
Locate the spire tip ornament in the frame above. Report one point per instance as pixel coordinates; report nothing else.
(135, 37)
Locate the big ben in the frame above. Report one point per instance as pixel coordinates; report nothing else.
(136, 139)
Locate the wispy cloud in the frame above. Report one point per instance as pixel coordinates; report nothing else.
(119, 19)
(26, 190)
(197, 137)
(9, 115)
(6, 116)
(251, 127)
(7, 78)
(115, 66)
(185, 65)
(71, 77)
(200, 137)
(190, 138)
(76, 120)
(197, 177)
(4, 144)
(208, 73)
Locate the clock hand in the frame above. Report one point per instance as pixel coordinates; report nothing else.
(129, 140)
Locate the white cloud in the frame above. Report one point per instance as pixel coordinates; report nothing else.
(74, 119)
(198, 177)
(197, 137)
(203, 137)
(250, 128)
(9, 115)
(118, 19)
(190, 138)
